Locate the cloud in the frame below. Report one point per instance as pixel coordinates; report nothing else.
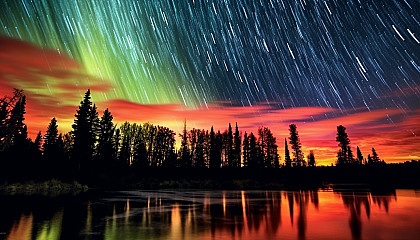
(52, 81)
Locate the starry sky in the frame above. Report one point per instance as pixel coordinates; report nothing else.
(317, 64)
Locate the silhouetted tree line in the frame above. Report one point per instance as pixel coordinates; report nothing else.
(97, 144)
(345, 154)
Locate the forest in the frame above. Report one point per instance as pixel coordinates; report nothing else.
(97, 150)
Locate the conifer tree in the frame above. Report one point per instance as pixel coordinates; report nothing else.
(84, 133)
(185, 156)
(213, 161)
(38, 141)
(246, 150)
(359, 156)
(236, 163)
(343, 142)
(50, 146)
(229, 147)
(105, 149)
(296, 146)
(375, 158)
(287, 160)
(254, 160)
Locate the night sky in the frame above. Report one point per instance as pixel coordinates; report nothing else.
(314, 63)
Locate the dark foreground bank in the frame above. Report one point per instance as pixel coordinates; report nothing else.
(382, 176)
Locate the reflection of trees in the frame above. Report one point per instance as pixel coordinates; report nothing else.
(301, 199)
(170, 215)
(356, 201)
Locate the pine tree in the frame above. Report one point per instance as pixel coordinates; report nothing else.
(185, 156)
(237, 148)
(213, 161)
(38, 141)
(84, 133)
(199, 150)
(296, 146)
(287, 160)
(50, 146)
(246, 150)
(267, 143)
(343, 142)
(105, 148)
(229, 147)
(359, 156)
(254, 160)
(350, 158)
(375, 157)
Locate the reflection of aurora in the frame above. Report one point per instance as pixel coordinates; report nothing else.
(223, 215)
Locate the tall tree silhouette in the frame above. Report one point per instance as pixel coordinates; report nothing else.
(359, 156)
(184, 153)
(236, 156)
(246, 150)
(197, 140)
(255, 155)
(84, 133)
(343, 142)
(51, 146)
(214, 161)
(287, 160)
(294, 139)
(229, 147)
(105, 150)
(374, 159)
(267, 143)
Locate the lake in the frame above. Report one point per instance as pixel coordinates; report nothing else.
(189, 214)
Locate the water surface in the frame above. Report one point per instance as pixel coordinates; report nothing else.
(213, 215)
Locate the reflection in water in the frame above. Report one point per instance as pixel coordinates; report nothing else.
(354, 203)
(214, 215)
(21, 229)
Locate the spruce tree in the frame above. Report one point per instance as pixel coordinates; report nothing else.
(254, 160)
(287, 160)
(237, 148)
(185, 156)
(246, 150)
(213, 161)
(84, 133)
(343, 142)
(229, 147)
(296, 146)
(105, 149)
(50, 145)
(359, 156)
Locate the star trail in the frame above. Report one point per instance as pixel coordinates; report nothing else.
(349, 57)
